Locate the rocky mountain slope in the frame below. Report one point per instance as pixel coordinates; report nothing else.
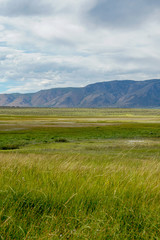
(126, 94)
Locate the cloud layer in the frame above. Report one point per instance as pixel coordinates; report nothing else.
(124, 13)
(45, 43)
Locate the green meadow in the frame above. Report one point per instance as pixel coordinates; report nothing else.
(79, 174)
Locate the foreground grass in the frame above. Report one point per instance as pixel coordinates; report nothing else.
(78, 196)
(67, 175)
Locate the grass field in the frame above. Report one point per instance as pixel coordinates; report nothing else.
(79, 174)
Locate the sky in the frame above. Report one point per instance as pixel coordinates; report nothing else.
(72, 43)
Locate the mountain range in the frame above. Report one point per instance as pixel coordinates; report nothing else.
(124, 94)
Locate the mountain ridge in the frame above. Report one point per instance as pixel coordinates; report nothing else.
(116, 93)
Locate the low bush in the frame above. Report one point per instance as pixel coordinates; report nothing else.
(10, 147)
(61, 140)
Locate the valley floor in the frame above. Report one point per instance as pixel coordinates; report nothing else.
(79, 174)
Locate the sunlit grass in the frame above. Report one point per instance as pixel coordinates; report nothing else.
(82, 182)
(78, 196)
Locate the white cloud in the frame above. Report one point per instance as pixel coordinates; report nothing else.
(53, 44)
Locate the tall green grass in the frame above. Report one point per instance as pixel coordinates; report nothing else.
(78, 196)
(83, 181)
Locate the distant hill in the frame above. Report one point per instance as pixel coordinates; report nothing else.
(125, 94)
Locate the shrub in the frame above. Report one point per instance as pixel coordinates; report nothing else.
(9, 147)
(61, 140)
